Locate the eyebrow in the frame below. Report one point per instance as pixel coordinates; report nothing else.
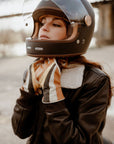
(58, 19)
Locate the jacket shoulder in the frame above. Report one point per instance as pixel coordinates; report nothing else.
(94, 75)
(96, 71)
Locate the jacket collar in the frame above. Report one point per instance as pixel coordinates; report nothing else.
(72, 77)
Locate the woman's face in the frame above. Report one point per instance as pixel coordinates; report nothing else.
(52, 28)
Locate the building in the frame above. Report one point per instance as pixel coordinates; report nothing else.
(105, 32)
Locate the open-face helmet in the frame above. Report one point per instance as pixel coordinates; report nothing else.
(77, 13)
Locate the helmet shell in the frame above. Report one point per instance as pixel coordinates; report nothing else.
(59, 48)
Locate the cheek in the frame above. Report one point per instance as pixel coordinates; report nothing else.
(39, 33)
(60, 34)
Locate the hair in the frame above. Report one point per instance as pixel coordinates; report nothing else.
(63, 63)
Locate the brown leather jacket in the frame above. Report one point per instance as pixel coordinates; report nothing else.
(79, 119)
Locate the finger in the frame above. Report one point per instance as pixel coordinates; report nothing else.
(51, 60)
(26, 81)
(46, 85)
(57, 83)
(38, 63)
(25, 76)
(44, 67)
(44, 75)
(34, 80)
(27, 85)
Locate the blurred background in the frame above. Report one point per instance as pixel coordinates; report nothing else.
(13, 59)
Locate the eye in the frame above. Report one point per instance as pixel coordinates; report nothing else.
(56, 25)
(42, 24)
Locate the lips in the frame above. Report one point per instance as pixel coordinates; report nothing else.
(43, 37)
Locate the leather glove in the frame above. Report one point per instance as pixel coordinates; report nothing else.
(27, 81)
(48, 76)
(28, 85)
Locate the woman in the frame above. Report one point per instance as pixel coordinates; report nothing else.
(64, 97)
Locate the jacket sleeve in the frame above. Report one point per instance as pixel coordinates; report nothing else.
(24, 115)
(92, 106)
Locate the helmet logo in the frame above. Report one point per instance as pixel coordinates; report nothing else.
(28, 47)
(38, 48)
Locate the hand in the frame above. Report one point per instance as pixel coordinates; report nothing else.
(48, 75)
(28, 82)
(40, 70)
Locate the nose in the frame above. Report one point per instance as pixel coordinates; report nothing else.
(45, 27)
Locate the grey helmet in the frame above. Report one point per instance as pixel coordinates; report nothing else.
(75, 12)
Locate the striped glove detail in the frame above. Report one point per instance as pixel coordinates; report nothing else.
(27, 85)
(52, 85)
